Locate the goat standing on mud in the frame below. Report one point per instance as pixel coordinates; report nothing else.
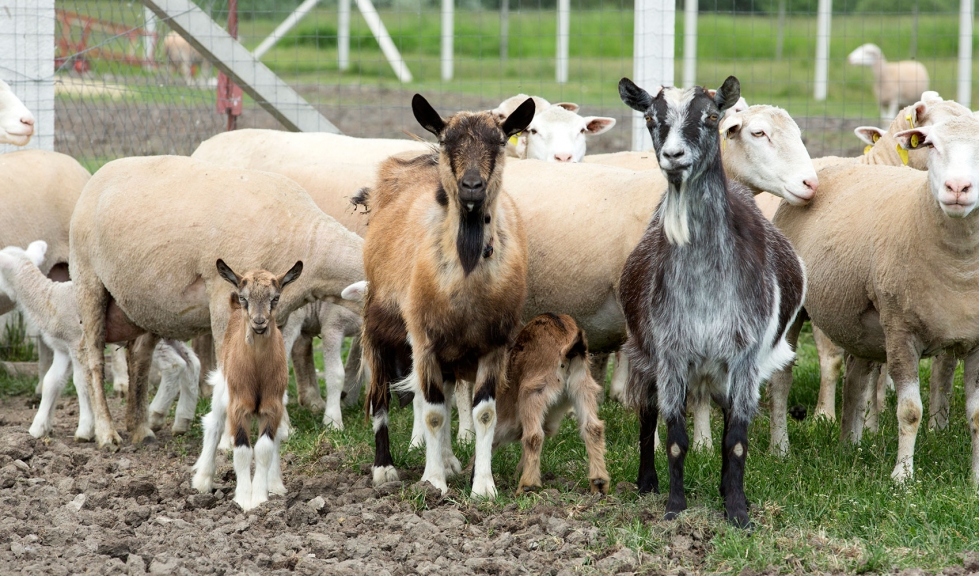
(708, 293)
(446, 259)
(253, 376)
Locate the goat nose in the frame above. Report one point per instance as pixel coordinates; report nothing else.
(563, 157)
(673, 154)
(261, 321)
(472, 184)
(958, 185)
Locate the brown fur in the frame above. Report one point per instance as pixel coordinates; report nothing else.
(548, 374)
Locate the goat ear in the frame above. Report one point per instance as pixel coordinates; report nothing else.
(569, 106)
(355, 292)
(520, 118)
(227, 273)
(595, 125)
(914, 139)
(292, 275)
(36, 251)
(426, 115)
(635, 97)
(728, 94)
(730, 125)
(869, 134)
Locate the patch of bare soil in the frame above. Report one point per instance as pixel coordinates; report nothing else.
(67, 508)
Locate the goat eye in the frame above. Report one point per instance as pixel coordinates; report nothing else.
(713, 117)
(242, 301)
(275, 301)
(648, 119)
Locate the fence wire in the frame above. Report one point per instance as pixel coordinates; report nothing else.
(120, 94)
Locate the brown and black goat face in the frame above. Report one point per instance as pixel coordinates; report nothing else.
(257, 293)
(682, 123)
(472, 150)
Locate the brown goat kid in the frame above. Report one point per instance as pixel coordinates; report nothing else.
(253, 377)
(445, 256)
(548, 375)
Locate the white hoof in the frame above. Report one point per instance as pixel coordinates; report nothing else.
(156, 421)
(203, 483)
(277, 488)
(181, 426)
(84, 435)
(384, 474)
(438, 483)
(258, 499)
(483, 488)
(245, 503)
(452, 464)
(902, 472)
(39, 430)
(333, 420)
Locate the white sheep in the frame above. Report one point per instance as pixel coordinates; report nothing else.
(181, 56)
(557, 133)
(16, 121)
(50, 307)
(896, 84)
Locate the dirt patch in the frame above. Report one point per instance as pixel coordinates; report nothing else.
(68, 508)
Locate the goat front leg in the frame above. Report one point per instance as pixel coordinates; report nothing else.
(464, 404)
(434, 412)
(830, 362)
(51, 386)
(140, 358)
(902, 363)
(214, 424)
(734, 454)
(778, 390)
(383, 369)
(942, 377)
(490, 374)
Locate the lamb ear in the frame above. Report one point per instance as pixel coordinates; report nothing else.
(426, 115)
(635, 97)
(569, 106)
(227, 273)
(355, 292)
(914, 139)
(730, 125)
(36, 251)
(595, 125)
(869, 134)
(520, 118)
(292, 275)
(728, 94)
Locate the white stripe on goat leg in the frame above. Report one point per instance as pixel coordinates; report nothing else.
(264, 451)
(243, 476)
(484, 419)
(213, 424)
(436, 425)
(387, 472)
(275, 469)
(451, 463)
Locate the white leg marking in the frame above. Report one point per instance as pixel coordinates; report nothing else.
(243, 473)
(51, 387)
(484, 417)
(436, 424)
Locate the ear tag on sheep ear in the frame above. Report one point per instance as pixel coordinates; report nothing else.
(876, 137)
(723, 144)
(513, 139)
(910, 119)
(867, 149)
(903, 154)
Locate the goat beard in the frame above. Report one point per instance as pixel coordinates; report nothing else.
(469, 242)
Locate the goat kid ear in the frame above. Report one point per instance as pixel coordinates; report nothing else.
(355, 292)
(569, 106)
(869, 134)
(426, 115)
(728, 94)
(635, 97)
(292, 275)
(730, 125)
(595, 125)
(520, 118)
(36, 251)
(228, 274)
(914, 139)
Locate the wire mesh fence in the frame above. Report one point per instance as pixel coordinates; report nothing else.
(122, 90)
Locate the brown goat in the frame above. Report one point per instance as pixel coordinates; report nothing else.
(446, 258)
(548, 375)
(253, 377)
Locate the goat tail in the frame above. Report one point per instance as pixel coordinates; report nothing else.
(579, 381)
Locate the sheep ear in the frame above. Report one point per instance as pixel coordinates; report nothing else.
(355, 292)
(635, 97)
(728, 94)
(569, 106)
(520, 118)
(426, 115)
(929, 96)
(292, 275)
(914, 139)
(228, 274)
(869, 134)
(730, 125)
(595, 125)
(36, 251)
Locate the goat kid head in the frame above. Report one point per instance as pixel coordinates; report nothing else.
(682, 123)
(12, 257)
(953, 162)
(257, 295)
(472, 151)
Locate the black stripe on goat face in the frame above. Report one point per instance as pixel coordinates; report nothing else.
(683, 126)
(472, 147)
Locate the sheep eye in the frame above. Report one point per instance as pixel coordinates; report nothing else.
(758, 133)
(583, 130)
(533, 131)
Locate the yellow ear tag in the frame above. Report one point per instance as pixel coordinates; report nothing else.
(876, 137)
(903, 154)
(867, 149)
(914, 141)
(513, 139)
(723, 144)
(910, 120)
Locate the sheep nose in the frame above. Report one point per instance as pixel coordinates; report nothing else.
(811, 184)
(29, 120)
(958, 186)
(566, 157)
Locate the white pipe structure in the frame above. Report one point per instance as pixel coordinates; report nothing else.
(966, 15)
(284, 28)
(384, 40)
(149, 41)
(652, 60)
(563, 39)
(343, 35)
(448, 18)
(690, 8)
(823, 23)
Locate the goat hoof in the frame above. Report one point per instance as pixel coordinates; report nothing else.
(528, 488)
(740, 520)
(384, 474)
(39, 430)
(180, 426)
(599, 486)
(335, 422)
(111, 442)
(203, 483)
(156, 421)
(277, 489)
(452, 465)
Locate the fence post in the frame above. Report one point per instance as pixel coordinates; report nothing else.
(343, 35)
(652, 56)
(690, 8)
(563, 32)
(448, 16)
(967, 11)
(823, 24)
(504, 29)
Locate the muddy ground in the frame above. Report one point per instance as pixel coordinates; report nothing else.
(67, 508)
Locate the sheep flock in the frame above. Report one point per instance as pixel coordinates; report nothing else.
(496, 269)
